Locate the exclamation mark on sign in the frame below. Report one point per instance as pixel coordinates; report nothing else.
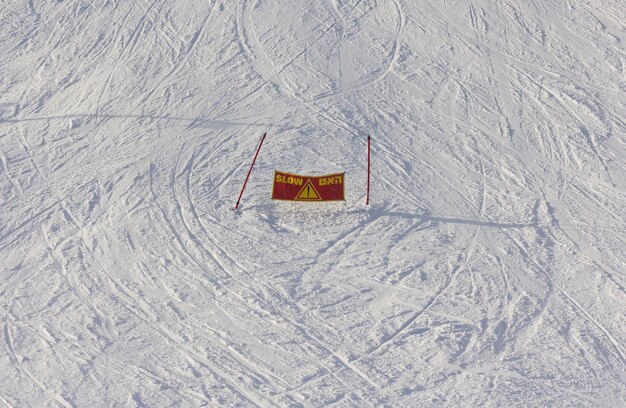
(308, 192)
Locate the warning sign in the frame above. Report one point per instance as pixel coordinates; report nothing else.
(295, 187)
(308, 192)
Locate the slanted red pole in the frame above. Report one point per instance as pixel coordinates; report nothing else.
(250, 171)
(369, 149)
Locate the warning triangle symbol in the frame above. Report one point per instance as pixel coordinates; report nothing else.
(308, 192)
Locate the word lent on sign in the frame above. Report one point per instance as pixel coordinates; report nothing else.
(294, 187)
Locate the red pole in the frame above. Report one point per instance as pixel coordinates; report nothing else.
(369, 149)
(250, 171)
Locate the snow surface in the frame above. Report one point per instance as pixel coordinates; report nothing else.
(490, 269)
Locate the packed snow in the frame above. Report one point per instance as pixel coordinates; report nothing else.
(488, 270)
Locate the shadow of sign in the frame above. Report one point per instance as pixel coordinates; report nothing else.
(427, 216)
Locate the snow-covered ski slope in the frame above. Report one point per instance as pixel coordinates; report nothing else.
(490, 269)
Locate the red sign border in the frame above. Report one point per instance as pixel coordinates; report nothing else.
(307, 178)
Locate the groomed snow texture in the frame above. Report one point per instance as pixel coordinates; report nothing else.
(489, 269)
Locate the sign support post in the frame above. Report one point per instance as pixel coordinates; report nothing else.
(369, 142)
(250, 171)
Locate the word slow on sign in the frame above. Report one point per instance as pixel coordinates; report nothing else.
(295, 187)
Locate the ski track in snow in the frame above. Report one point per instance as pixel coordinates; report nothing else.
(488, 271)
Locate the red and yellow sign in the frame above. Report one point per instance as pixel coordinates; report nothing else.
(295, 187)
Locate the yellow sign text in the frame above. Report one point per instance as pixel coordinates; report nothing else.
(280, 178)
(327, 181)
